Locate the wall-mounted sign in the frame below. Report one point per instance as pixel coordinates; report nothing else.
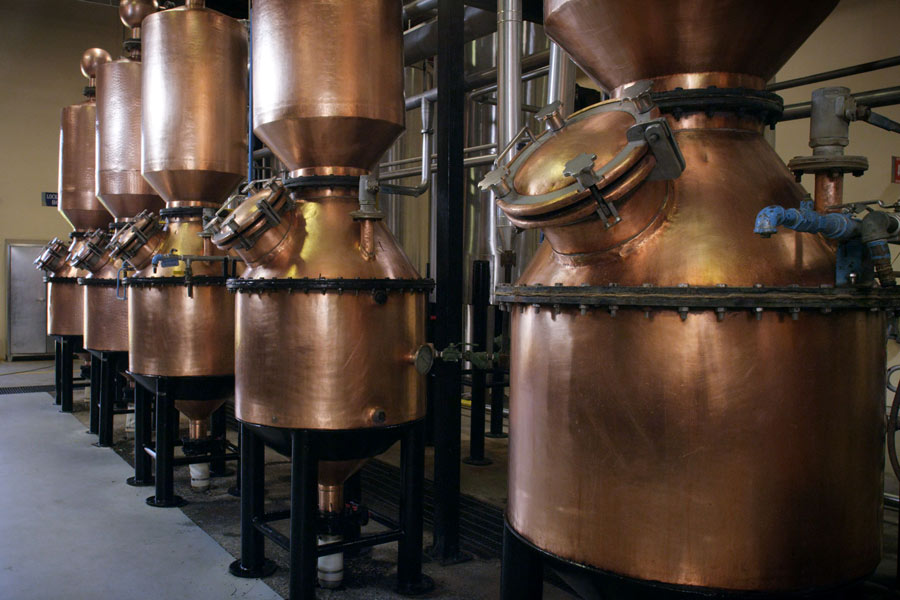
(895, 169)
(49, 198)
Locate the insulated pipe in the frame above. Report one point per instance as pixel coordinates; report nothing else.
(872, 99)
(561, 84)
(509, 121)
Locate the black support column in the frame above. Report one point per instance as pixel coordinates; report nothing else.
(166, 432)
(66, 356)
(253, 562)
(304, 543)
(143, 436)
(94, 423)
(448, 272)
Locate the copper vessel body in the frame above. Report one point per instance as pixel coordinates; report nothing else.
(120, 186)
(170, 333)
(328, 110)
(194, 105)
(78, 201)
(342, 359)
(616, 43)
(739, 455)
(106, 312)
(65, 306)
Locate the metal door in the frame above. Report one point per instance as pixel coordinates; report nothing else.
(26, 303)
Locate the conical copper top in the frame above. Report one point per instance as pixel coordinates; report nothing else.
(327, 102)
(729, 43)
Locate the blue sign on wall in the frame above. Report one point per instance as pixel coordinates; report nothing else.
(49, 198)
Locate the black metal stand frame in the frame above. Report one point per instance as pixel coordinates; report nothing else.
(107, 387)
(65, 348)
(162, 398)
(306, 450)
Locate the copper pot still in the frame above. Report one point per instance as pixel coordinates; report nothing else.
(78, 204)
(64, 298)
(329, 311)
(105, 310)
(735, 450)
(194, 148)
(120, 186)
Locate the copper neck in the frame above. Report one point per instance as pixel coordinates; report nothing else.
(331, 498)
(198, 429)
(327, 171)
(690, 81)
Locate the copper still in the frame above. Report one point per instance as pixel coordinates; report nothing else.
(120, 186)
(194, 147)
(682, 412)
(78, 203)
(330, 313)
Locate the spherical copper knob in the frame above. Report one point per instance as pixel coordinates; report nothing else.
(92, 59)
(132, 12)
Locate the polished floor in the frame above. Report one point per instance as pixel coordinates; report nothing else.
(69, 526)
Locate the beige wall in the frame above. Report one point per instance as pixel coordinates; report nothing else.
(41, 42)
(857, 31)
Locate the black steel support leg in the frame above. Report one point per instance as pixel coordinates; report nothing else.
(143, 425)
(107, 399)
(481, 283)
(410, 579)
(304, 517)
(57, 362)
(522, 569)
(217, 466)
(253, 562)
(449, 224)
(497, 391)
(66, 375)
(94, 423)
(166, 432)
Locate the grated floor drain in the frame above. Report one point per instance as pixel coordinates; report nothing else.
(26, 389)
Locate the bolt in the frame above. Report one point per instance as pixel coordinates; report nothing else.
(720, 314)
(612, 310)
(795, 313)
(583, 308)
(683, 312)
(378, 416)
(537, 308)
(759, 312)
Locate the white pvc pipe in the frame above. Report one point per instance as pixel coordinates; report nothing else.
(331, 567)
(200, 477)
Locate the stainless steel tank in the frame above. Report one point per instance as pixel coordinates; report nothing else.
(655, 436)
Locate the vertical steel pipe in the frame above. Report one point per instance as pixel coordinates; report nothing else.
(509, 122)
(561, 80)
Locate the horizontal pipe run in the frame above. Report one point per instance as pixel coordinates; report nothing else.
(480, 79)
(277, 537)
(872, 99)
(875, 65)
(196, 460)
(415, 159)
(374, 539)
(472, 161)
(277, 515)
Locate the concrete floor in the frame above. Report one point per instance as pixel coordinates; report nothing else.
(80, 532)
(70, 527)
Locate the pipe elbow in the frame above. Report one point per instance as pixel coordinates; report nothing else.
(768, 220)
